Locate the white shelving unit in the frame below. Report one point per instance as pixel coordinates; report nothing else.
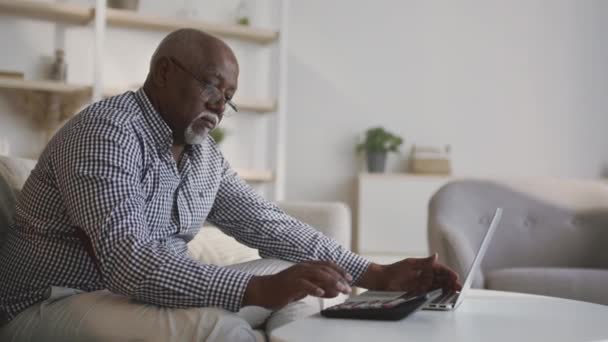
(100, 18)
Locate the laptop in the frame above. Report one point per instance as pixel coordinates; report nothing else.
(452, 299)
(449, 300)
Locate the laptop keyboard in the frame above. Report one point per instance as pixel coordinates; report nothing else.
(445, 298)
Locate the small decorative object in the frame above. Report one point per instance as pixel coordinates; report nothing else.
(130, 5)
(242, 14)
(218, 134)
(59, 70)
(378, 142)
(430, 160)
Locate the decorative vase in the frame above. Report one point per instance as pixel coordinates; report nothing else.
(376, 161)
(59, 70)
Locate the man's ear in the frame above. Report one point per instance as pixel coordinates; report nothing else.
(160, 72)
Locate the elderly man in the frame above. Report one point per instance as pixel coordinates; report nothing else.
(98, 250)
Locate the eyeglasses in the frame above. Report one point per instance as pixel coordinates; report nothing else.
(213, 94)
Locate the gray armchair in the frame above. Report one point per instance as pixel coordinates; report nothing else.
(552, 240)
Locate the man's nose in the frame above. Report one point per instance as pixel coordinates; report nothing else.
(218, 108)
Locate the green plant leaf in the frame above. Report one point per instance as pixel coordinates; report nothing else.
(218, 134)
(377, 139)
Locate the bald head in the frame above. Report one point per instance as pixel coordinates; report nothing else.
(193, 48)
(192, 75)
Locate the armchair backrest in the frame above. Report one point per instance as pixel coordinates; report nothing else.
(546, 223)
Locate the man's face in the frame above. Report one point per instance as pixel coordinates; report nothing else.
(198, 100)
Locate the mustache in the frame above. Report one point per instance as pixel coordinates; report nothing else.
(210, 116)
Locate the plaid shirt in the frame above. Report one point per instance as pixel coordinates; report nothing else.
(107, 207)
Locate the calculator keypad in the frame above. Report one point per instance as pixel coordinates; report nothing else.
(394, 308)
(374, 304)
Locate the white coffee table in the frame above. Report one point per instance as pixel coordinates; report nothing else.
(483, 316)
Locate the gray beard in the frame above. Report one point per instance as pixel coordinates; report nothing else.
(192, 138)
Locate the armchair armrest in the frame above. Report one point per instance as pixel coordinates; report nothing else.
(214, 247)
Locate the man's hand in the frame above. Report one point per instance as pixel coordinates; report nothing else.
(316, 278)
(415, 275)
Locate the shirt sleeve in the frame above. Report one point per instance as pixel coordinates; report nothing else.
(98, 173)
(242, 213)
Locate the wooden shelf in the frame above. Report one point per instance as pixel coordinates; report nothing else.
(135, 20)
(44, 86)
(82, 15)
(244, 104)
(256, 105)
(49, 11)
(405, 176)
(256, 176)
(49, 103)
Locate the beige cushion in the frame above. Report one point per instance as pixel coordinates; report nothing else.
(7, 207)
(16, 170)
(13, 173)
(212, 246)
(574, 283)
(333, 219)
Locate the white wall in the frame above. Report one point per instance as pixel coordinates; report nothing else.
(518, 88)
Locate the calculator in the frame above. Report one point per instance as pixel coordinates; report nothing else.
(392, 309)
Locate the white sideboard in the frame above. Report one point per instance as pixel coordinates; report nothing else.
(392, 215)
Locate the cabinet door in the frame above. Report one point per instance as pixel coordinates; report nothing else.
(393, 213)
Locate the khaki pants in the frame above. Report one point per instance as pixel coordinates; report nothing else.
(71, 315)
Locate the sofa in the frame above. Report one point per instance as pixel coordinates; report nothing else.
(552, 240)
(210, 245)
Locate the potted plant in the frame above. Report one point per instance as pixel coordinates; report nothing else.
(242, 14)
(377, 143)
(218, 134)
(130, 5)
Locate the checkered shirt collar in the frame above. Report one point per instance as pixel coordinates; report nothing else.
(162, 133)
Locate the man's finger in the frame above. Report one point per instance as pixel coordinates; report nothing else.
(309, 288)
(335, 268)
(341, 283)
(426, 279)
(425, 262)
(422, 281)
(456, 287)
(449, 277)
(326, 281)
(431, 259)
(446, 281)
(446, 272)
